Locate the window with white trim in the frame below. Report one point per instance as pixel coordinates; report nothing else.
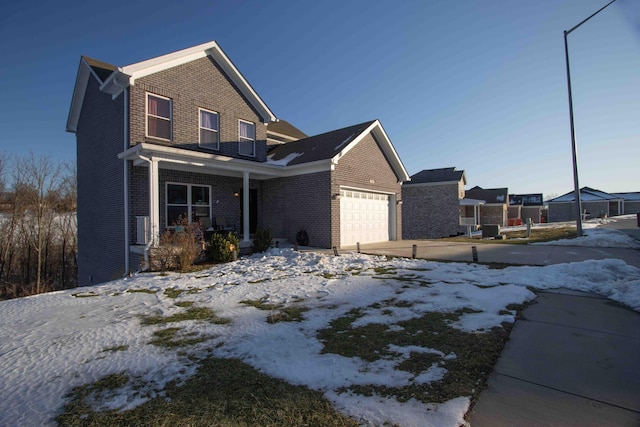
(159, 117)
(187, 201)
(209, 129)
(247, 138)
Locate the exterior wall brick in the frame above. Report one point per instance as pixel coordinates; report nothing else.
(100, 137)
(559, 212)
(631, 207)
(364, 167)
(197, 84)
(430, 211)
(299, 203)
(493, 214)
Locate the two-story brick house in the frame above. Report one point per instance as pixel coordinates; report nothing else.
(185, 134)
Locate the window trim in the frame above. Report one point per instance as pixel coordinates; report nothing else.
(245, 139)
(189, 203)
(200, 128)
(147, 115)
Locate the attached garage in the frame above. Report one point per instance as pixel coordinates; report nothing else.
(364, 217)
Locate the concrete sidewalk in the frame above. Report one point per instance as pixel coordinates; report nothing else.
(571, 361)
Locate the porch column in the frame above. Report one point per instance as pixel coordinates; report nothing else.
(154, 202)
(245, 207)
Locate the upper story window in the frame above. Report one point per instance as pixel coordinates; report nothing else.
(247, 134)
(158, 117)
(209, 129)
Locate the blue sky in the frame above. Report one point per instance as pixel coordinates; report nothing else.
(479, 85)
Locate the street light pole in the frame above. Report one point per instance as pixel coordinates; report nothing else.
(576, 185)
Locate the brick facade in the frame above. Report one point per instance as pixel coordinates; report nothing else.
(431, 211)
(100, 137)
(493, 214)
(298, 203)
(197, 84)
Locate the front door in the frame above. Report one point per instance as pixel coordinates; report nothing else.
(253, 211)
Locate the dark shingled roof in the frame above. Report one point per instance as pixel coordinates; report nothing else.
(285, 128)
(489, 195)
(319, 147)
(436, 175)
(102, 69)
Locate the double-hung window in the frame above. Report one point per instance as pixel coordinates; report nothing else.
(158, 117)
(209, 129)
(187, 202)
(247, 140)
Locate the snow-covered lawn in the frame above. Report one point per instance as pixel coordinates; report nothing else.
(53, 342)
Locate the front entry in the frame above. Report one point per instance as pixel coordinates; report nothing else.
(253, 211)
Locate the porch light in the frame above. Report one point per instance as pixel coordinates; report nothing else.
(236, 194)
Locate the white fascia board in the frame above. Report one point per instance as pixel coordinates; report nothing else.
(164, 62)
(386, 145)
(79, 90)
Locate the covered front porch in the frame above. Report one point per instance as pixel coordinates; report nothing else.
(168, 183)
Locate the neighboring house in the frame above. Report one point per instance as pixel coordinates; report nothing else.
(185, 134)
(595, 204)
(431, 205)
(495, 207)
(526, 206)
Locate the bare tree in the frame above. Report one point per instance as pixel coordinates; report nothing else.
(37, 181)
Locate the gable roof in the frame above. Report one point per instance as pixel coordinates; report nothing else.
(489, 195)
(120, 78)
(587, 194)
(442, 175)
(331, 146)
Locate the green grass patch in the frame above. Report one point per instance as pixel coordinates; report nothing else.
(175, 292)
(476, 353)
(172, 338)
(224, 392)
(85, 294)
(279, 313)
(184, 303)
(141, 291)
(287, 314)
(261, 304)
(193, 313)
(543, 234)
(116, 348)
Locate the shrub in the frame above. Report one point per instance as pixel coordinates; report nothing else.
(262, 240)
(178, 248)
(222, 248)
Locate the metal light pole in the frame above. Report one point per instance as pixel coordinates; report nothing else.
(573, 132)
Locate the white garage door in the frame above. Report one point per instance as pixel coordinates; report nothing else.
(364, 217)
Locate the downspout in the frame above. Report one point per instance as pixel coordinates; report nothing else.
(126, 185)
(151, 201)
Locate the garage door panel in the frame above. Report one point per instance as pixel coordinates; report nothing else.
(364, 217)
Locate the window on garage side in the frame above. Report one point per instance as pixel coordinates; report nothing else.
(187, 201)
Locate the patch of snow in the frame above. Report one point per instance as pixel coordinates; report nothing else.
(53, 342)
(284, 161)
